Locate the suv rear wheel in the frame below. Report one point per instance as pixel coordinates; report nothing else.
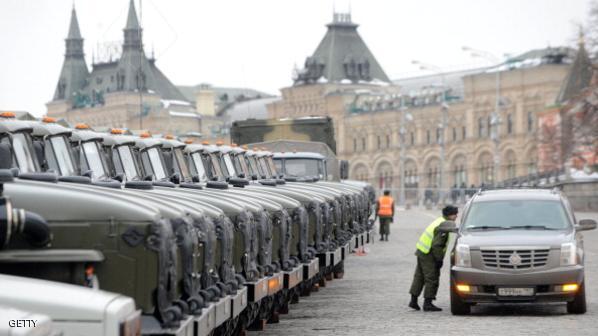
(578, 305)
(458, 307)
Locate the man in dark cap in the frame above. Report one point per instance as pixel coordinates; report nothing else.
(431, 248)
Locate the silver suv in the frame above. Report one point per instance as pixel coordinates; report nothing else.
(518, 245)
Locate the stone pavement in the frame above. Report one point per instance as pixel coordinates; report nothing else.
(372, 298)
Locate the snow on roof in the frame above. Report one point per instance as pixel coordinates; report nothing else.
(184, 114)
(167, 102)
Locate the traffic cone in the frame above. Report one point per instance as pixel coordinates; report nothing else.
(361, 252)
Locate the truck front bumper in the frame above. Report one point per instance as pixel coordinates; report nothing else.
(547, 285)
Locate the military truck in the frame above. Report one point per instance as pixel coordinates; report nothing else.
(95, 256)
(104, 313)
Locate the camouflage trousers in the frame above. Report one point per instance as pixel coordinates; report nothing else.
(426, 277)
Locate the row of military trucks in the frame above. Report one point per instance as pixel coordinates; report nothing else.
(108, 233)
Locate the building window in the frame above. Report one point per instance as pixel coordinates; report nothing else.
(379, 142)
(464, 131)
(387, 141)
(428, 137)
(480, 127)
(355, 145)
(438, 135)
(363, 143)
(509, 123)
(454, 134)
(412, 139)
(489, 126)
(530, 121)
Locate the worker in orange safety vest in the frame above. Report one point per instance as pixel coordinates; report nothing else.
(385, 210)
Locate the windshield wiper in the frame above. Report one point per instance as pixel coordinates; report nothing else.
(487, 227)
(529, 227)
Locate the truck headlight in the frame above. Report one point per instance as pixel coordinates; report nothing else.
(568, 254)
(462, 256)
(131, 326)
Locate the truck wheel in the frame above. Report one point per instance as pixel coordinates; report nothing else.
(458, 307)
(578, 305)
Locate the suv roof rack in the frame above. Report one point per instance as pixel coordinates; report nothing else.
(554, 190)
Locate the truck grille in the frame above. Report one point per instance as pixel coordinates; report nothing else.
(515, 259)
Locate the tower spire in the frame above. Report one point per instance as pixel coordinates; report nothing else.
(133, 31)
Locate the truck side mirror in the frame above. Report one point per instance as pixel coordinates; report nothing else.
(195, 178)
(344, 169)
(175, 178)
(120, 177)
(254, 177)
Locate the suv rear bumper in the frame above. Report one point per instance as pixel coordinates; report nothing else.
(547, 284)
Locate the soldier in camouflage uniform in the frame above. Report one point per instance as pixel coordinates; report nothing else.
(431, 248)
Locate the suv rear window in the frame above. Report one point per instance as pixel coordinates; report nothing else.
(532, 214)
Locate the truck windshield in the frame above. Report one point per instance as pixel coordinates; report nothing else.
(220, 164)
(239, 160)
(516, 214)
(253, 166)
(94, 160)
(128, 162)
(229, 164)
(304, 167)
(153, 164)
(271, 165)
(22, 150)
(62, 156)
(263, 167)
(199, 167)
(214, 166)
(180, 162)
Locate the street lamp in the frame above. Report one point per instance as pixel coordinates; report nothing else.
(443, 124)
(495, 119)
(405, 116)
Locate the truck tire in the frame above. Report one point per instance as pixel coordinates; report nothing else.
(458, 307)
(578, 305)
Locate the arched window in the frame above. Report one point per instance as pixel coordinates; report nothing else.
(509, 123)
(387, 141)
(454, 134)
(412, 138)
(363, 143)
(428, 137)
(530, 121)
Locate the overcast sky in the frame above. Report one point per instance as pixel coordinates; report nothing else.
(257, 43)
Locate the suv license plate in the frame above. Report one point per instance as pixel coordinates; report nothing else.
(516, 291)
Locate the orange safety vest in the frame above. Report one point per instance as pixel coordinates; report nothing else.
(385, 206)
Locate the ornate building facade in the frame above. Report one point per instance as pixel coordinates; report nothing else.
(434, 135)
(129, 92)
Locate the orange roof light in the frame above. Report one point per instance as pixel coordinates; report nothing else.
(245, 147)
(145, 135)
(117, 131)
(48, 120)
(188, 142)
(169, 137)
(205, 142)
(255, 149)
(8, 115)
(219, 143)
(81, 126)
(234, 145)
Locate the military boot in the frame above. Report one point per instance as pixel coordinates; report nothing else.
(430, 307)
(413, 304)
